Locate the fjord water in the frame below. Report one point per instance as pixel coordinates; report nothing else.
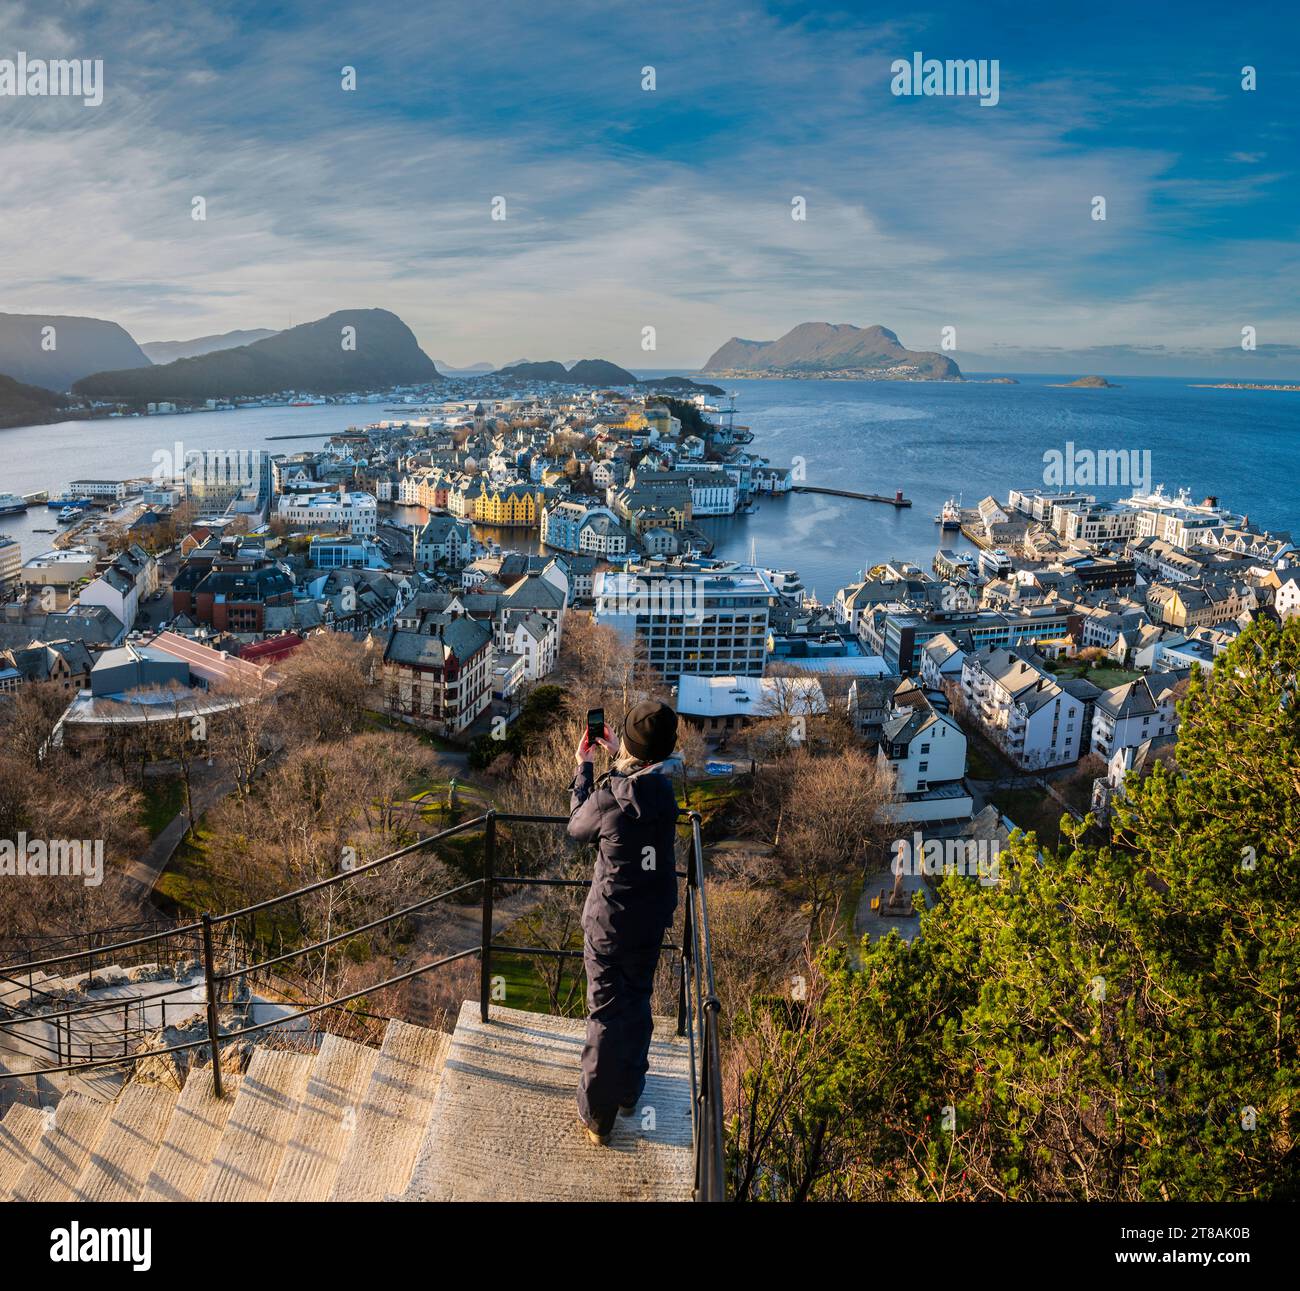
(934, 440)
(931, 439)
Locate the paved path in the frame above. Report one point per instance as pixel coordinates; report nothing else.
(143, 873)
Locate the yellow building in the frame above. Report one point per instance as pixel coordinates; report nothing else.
(514, 507)
(632, 421)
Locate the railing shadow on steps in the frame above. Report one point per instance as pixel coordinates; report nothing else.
(698, 1009)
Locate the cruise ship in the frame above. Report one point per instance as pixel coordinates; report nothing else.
(11, 503)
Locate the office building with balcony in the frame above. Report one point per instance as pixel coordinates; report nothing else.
(899, 634)
(704, 622)
(218, 480)
(1033, 719)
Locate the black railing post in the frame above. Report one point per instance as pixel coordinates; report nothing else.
(209, 975)
(489, 886)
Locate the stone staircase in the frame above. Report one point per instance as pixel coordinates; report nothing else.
(486, 1113)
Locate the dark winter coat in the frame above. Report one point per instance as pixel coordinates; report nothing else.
(633, 820)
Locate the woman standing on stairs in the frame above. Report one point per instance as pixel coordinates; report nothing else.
(630, 812)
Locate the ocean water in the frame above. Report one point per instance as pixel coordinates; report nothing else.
(932, 440)
(938, 440)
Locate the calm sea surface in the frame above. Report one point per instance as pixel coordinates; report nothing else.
(931, 440)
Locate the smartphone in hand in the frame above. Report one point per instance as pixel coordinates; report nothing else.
(595, 726)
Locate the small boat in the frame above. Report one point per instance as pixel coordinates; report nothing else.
(950, 516)
(69, 514)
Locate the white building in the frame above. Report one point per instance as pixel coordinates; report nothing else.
(114, 490)
(713, 492)
(531, 636)
(1038, 504)
(1129, 715)
(131, 578)
(941, 661)
(1095, 522)
(444, 539)
(924, 752)
(59, 568)
(720, 705)
(1178, 520)
(1287, 600)
(341, 512)
(1032, 718)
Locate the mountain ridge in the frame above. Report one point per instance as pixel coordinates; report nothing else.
(77, 346)
(28, 405)
(161, 352)
(309, 357)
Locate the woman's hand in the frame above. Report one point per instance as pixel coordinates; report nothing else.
(587, 751)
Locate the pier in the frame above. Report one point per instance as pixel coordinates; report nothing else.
(898, 500)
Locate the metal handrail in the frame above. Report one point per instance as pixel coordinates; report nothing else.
(698, 1005)
(98, 951)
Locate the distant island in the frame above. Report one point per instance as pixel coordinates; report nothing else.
(321, 356)
(681, 384)
(1239, 385)
(1084, 383)
(831, 351)
(598, 372)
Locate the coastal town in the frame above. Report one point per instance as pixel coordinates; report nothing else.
(1048, 645)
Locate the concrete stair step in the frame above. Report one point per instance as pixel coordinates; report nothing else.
(393, 1116)
(90, 979)
(190, 1141)
(505, 1125)
(26, 996)
(62, 1151)
(120, 1164)
(20, 1090)
(19, 1131)
(326, 1120)
(259, 1127)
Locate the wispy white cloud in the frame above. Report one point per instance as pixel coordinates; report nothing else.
(626, 209)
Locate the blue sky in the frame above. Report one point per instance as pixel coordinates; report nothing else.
(669, 209)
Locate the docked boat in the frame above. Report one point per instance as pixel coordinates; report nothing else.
(67, 500)
(950, 516)
(69, 514)
(11, 504)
